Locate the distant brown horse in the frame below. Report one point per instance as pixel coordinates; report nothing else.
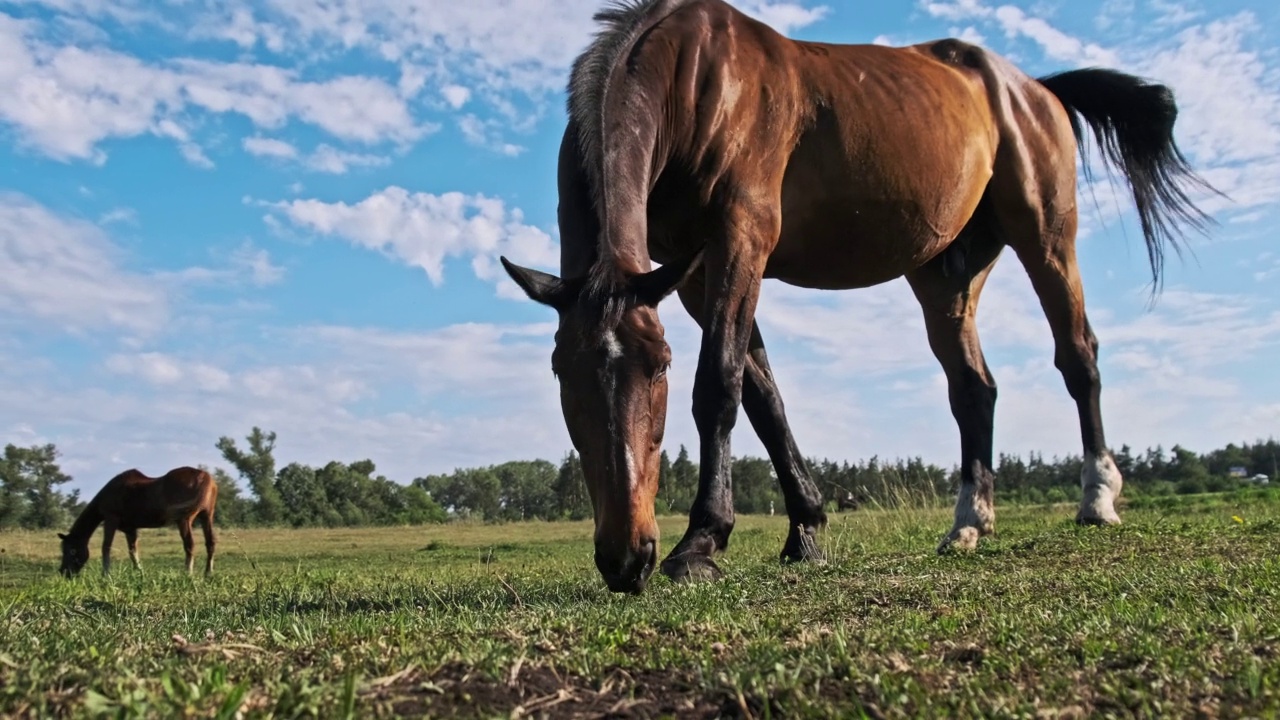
(702, 139)
(849, 501)
(130, 501)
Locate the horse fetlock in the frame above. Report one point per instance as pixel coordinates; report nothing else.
(962, 538)
(802, 545)
(975, 510)
(1101, 481)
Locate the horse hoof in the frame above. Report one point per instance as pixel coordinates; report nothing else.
(1091, 520)
(963, 539)
(691, 568)
(802, 547)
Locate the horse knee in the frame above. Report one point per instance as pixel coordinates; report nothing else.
(715, 401)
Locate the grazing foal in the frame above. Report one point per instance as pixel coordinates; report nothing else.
(130, 501)
(704, 140)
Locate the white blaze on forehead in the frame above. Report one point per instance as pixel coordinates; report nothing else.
(631, 467)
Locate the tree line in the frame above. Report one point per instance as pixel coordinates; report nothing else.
(352, 494)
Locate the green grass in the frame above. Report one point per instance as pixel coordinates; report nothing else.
(1173, 614)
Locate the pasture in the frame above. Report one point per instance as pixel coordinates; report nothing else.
(1175, 613)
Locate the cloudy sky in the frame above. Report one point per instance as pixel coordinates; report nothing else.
(216, 214)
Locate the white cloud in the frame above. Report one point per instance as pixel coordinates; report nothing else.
(960, 10)
(501, 48)
(68, 273)
(167, 371)
(422, 229)
(320, 406)
(785, 17)
(240, 26)
(269, 147)
(127, 216)
(1214, 74)
(324, 159)
(64, 101)
(1173, 13)
(128, 12)
(256, 263)
(246, 265)
(1055, 43)
(455, 95)
(969, 34)
(1214, 77)
(328, 159)
(486, 134)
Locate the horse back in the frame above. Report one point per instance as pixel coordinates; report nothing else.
(140, 501)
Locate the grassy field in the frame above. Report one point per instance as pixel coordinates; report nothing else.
(1176, 614)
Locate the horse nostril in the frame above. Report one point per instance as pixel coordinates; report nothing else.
(649, 556)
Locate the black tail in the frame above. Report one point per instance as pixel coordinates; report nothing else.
(1132, 121)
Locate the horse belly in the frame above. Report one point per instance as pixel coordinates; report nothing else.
(839, 245)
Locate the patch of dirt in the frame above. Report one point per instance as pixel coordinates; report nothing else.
(458, 691)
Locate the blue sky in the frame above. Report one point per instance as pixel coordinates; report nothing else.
(217, 214)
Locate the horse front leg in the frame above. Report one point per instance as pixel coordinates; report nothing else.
(108, 536)
(762, 401)
(733, 269)
(132, 537)
(188, 542)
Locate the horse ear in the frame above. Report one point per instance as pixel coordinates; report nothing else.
(62, 536)
(654, 286)
(541, 287)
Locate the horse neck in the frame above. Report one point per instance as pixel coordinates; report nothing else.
(88, 521)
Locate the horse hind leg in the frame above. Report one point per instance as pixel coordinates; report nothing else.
(1056, 278)
(210, 540)
(1044, 239)
(948, 293)
(763, 403)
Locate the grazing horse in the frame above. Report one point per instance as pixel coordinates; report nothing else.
(130, 501)
(703, 140)
(849, 501)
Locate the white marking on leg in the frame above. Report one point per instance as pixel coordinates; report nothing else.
(1101, 481)
(974, 518)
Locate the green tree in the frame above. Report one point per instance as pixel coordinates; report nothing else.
(572, 500)
(678, 494)
(754, 487)
(664, 481)
(528, 490)
(29, 495)
(303, 497)
(257, 466)
(233, 508)
(420, 508)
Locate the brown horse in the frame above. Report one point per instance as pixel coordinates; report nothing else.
(130, 501)
(849, 501)
(703, 140)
